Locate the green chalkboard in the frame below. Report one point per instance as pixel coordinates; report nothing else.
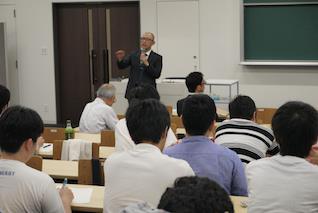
(280, 1)
(280, 32)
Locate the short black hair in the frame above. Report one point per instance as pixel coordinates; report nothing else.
(242, 107)
(18, 124)
(4, 97)
(147, 120)
(196, 194)
(142, 92)
(295, 126)
(198, 112)
(193, 80)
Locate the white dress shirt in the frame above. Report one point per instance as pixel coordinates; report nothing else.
(140, 174)
(124, 142)
(97, 116)
(282, 184)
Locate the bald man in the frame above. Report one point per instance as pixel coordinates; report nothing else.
(145, 64)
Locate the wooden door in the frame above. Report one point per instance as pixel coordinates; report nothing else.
(73, 88)
(86, 38)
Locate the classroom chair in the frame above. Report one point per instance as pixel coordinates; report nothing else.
(265, 115)
(173, 126)
(53, 133)
(107, 138)
(169, 108)
(35, 162)
(178, 121)
(90, 172)
(57, 150)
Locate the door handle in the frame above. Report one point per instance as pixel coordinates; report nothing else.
(105, 65)
(93, 59)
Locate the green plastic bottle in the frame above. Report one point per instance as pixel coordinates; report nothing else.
(69, 131)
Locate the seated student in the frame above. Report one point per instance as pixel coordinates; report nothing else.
(142, 173)
(241, 134)
(195, 84)
(23, 189)
(206, 158)
(196, 194)
(99, 114)
(287, 182)
(4, 98)
(123, 140)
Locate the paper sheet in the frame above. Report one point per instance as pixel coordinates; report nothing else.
(82, 195)
(46, 148)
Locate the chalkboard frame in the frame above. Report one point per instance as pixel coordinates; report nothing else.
(244, 61)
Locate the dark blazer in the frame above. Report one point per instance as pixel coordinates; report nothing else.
(180, 105)
(140, 73)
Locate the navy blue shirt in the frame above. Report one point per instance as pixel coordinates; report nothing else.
(211, 160)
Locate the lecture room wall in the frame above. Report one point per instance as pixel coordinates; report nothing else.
(219, 56)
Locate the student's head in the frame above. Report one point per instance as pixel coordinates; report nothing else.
(147, 40)
(198, 114)
(195, 82)
(4, 98)
(242, 107)
(107, 92)
(148, 120)
(143, 92)
(196, 194)
(295, 126)
(19, 126)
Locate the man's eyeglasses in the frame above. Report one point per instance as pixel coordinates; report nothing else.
(145, 39)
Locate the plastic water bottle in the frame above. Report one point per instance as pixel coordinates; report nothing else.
(69, 131)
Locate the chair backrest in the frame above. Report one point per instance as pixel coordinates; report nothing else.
(90, 172)
(57, 150)
(173, 126)
(265, 115)
(107, 138)
(35, 162)
(169, 108)
(53, 133)
(178, 121)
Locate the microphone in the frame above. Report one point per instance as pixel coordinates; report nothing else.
(142, 50)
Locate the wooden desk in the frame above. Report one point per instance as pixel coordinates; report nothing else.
(180, 131)
(88, 137)
(237, 204)
(222, 113)
(104, 152)
(96, 202)
(61, 169)
(269, 126)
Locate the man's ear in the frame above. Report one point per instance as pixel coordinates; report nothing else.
(254, 117)
(164, 134)
(163, 139)
(29, 145)
(211, 127)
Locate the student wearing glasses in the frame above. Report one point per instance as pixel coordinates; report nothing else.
(145, 64)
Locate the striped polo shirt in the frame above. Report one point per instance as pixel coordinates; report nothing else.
(248, 139)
